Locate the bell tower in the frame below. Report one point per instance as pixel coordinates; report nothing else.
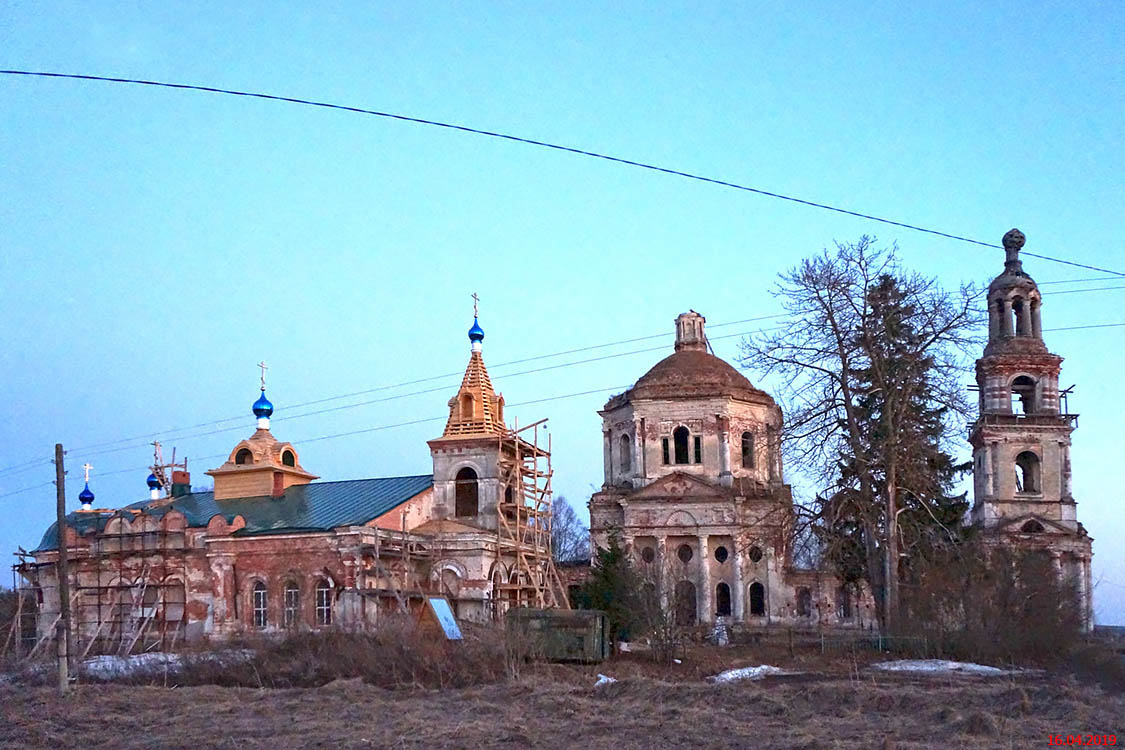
(1021, 439)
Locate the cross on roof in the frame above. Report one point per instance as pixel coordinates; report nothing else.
(476, 299)
(86, 467)
(262, 365)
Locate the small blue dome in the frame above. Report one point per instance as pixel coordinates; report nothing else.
(263, 407)
(153, 482)
(476, 333)
(86, 497)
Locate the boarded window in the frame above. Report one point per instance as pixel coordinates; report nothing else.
(466, 490)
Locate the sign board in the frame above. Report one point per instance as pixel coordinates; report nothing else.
(439, 605)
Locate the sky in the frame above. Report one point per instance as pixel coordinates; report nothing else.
(156, 244)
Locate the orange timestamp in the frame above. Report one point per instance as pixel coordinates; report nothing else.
(1087, 740)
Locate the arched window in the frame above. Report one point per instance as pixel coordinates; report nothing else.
(1018, 317)
(1027, 472)
(748, 450)
(174, 600)
(625, 459)
(466, 493)
(722, 600)
(259, 608)
(804, 602)
(685, 603)
(466, 406)
(244, 456)
(324, 594)
(1023, 395)
(757, 599)
(149, 599)
(1032, 527)
(680, 438)
(292, 613)
(288, 459)
(844, 603)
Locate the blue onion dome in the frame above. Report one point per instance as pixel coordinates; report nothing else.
(476, 333)
(86, 497)
(153, 482)
(263, 407)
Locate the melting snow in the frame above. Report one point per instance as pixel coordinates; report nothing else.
(941, 666)
(749, 673)
(604, 680)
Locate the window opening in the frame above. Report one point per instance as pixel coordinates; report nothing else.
(722, 600)
(1023, 395)
(698, 449)
(467, 406)
(685, 553)
(323, 602)
(244, 456)
(680, 438)
(648, 554)
(1017, 314)
(844, 603)
(748, 450)
(721, 554)
(292, 604)
(288, 459)
(465, 491)
(1032, 527)
(757, 599)
(626, 454)
(261, 615)
(804, 602)
(1027, 472)
(755, 554)
(664, 447)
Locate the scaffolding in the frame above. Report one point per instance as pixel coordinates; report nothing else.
(524, 525)
(128, 592)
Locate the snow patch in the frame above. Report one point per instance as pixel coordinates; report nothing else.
(604, 680)
(749, 673)
(941, 666)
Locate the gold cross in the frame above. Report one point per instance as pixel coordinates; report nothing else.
(476, 299)
(264, 368)
(87, 468)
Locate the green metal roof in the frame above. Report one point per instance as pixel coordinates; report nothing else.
(318, 506)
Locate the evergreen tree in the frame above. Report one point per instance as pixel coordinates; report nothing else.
(614, 587)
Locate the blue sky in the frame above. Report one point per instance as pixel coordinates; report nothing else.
(156, 244)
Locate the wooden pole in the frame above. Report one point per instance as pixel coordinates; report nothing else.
(63, 623)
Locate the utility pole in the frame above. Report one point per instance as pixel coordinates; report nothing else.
(62, 631)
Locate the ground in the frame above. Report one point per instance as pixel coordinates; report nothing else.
(554, 706)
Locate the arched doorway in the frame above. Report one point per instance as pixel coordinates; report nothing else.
(685, 612)
(757, 599)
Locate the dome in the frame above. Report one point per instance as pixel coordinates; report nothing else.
(691, 372)
(153, 482)
(86, 497)
(262, 407)
(476, 333)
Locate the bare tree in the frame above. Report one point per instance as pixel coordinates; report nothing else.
(570, 539)
(832, 356)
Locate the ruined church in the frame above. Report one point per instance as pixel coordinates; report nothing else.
(693, 480)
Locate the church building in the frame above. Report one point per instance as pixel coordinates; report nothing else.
(271, 549)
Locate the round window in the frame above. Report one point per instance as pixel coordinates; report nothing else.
(684, 553)
(648, 554)
(755, 553)
(721, 554)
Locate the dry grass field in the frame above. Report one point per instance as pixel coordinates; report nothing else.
(835, 704)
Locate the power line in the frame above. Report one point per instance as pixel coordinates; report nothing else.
(545, 144)
(1076, 291)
